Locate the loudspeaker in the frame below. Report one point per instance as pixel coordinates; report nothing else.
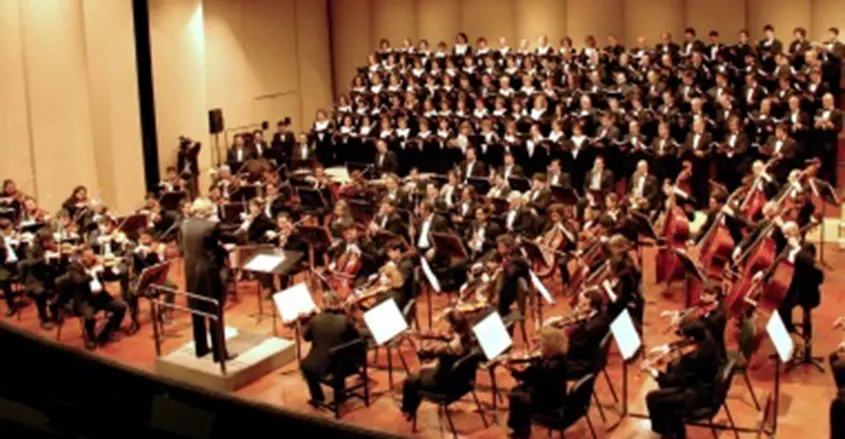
(215, 121)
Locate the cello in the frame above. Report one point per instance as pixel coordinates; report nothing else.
(675, 233)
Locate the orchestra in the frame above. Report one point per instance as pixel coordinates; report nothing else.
(493, 167)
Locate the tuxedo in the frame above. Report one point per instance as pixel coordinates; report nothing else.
(605, 181)
(237, 156)
(386, 163)
(475, 169)
(644, 186)
(787, 150)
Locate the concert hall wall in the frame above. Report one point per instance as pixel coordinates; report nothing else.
(256, 60)
(358, 25)
(69, 100)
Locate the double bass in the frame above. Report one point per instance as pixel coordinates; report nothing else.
(717, 244)
(675, 232)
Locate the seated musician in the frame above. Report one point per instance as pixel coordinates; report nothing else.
(643, 186)
(477, 293)
(688, 383)
(555, 176)
(481, 236)
(464, 209)
(806, 279)
(394, 193)
(716, 206)
(326, 330)
(598, 178)
(386, 220)
(540, 196)
(340, 216)
(542, 385)
(172, 181)
(147, 253)
(518, 219)
(429, 221)
(39, 270)
(404, 267)
(499, 187)
(711, 311)
(88, 293)
(256, 223)
(9, 248)
(802, 210)
(510, 168)
(513, 268)
(352, 256)
(112, 245)
(558, 235)
(837, 406)
(586, 336)
(386, 161)
(447, 350)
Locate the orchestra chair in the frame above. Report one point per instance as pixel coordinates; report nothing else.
(68, 310)
(601, 368)
(462, 382)
(410, 314)
(703, 416)
(577, 406)
(517, 316)
(741, 367)
(340, 357)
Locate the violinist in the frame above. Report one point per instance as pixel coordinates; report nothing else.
(8, 264)
(586, 336)
(542, 384)
(256, 223)
(402, 292)
(39, 277)
(688, 383)
(172, 181)
(394, 193)
(556, 177)
(440, 377)
(710, 310)
(87, 278)
(112, 246)
(464, 209)
(481, 235)
(386, 220)
(77, 203)
(806, 279)
(327, 330)
(513, 268)
(499, 187)
(10, 200)
(643, 186)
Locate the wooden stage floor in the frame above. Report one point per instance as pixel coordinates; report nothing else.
(804, 402)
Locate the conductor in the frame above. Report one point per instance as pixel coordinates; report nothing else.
(205, 275)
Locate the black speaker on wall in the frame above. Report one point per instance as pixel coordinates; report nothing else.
(215, 121)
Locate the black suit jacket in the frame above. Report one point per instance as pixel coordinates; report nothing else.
(205, 258)
(606, 180)
(584, 344)
(516, 171)
(386, 163)
(696, 371)
(478, 169)
(327, 330)
(545, 381)
(232, 157)
(651, 189)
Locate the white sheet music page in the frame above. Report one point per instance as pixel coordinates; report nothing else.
(385, 321)
(264, 263)
(294, 301)
(492, 335)
(538, 285)
(626, 336)
(780, 337)
(429, 274)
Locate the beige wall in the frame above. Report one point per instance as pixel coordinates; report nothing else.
(356, 22)
(69, 101)
(257, 60)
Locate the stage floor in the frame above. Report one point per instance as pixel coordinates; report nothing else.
(804, 403)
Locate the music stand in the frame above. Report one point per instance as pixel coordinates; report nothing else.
(519, 183)
(133, 224)
(500, 205)
(312, 199)
(694, 279)
(533, 252)
(291, 303)
(492, 335)
(362, 211)
(481, 184)
(564, 195)
(628, 342)
(170, 200)
(155, 275)
(316, 237)
(244, 192)
(231, 213)
(784, 346)
(541, 289)
(449, 244)
(32, 228)
(434, 284)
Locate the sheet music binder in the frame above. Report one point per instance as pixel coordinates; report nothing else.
(625, 333)
(492, 335)
(385, 321)
(294, 301)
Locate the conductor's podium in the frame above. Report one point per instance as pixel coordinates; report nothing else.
(255, 355)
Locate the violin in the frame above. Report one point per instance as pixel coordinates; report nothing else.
(516, 358)
(666, 355)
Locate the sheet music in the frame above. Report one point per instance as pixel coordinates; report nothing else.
(294, 301)
(538, 285)
(264, 263)
(492, 336)
(429, 274)
(780, 337)
(385, 321)
(626, 336)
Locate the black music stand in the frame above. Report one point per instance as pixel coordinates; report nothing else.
(449, 244)
(133, 224)
(645, 229)
(362, 211)
(316, 237)
(365, 168)
(155, 275)
(33, 228)
(312, 199)
(244, 193)
(231, 213)
(500, 205)
(519, 183)
(481, 184)
(169, 201)
(694, 279)
(565, 195)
